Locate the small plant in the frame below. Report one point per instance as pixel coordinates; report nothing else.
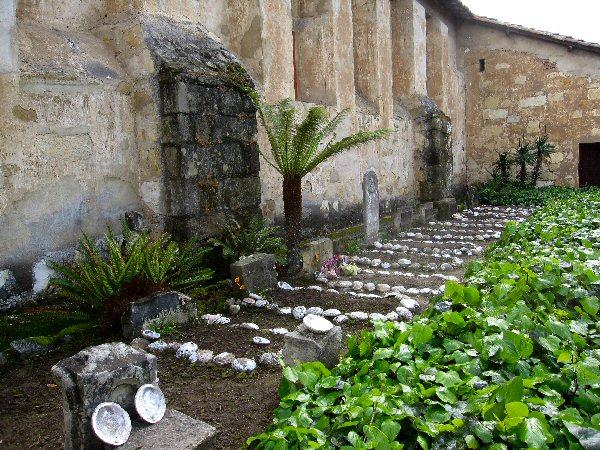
(103, 284)
(523, 157)
(354, 247)
(502, 166)
(237, 240)
(332, 267)
(163, 326)
(542, 150)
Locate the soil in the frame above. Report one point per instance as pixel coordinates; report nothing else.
(238, 405)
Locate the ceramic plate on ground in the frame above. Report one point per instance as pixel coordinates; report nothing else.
(150, 403)
(111, 423)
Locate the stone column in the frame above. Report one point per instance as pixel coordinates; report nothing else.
(409, 48)
(324, 60)
(370, 207)
(9, 51)
(373, 54)
(437, 62)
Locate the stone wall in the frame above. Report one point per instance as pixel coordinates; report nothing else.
(519, 87)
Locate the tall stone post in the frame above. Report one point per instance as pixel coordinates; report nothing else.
(370, 207)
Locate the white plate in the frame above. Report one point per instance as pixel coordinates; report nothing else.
(150, 403)
(111, 423)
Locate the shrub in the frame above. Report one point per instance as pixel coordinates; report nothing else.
(103, 284)
(509, 360)
(497, 193)
(258, 237)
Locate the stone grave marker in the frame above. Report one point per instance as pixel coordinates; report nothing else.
(254, 272)
(314, 253)
(370, 207)
(304, 345)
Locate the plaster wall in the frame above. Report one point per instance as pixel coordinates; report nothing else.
(528, 86)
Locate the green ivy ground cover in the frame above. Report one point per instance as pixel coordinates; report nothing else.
(509, 194)
(509, 360)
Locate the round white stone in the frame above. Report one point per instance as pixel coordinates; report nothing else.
(341, 318)
(186, 350)
(369, 286)
(383, 287)
(250, 326)
(377, 316)
(357, 285)
(317, 324)
(358, 315)
(331, 312)
(299, 312)
(258, 340)
(404, 313)
(280, 331)
(285, 311)
(344, 284)
(204, 356)
(150, 335)
(243, 365)
(409, 303)
(269, 359)
(224, 359)
(316, 310)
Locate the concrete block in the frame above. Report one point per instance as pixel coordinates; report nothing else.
(254, 272)
(105, 373)
(424, 213)
(445, 208)
(172, 306)
(314, 253)
(403, 219)
(176, 431)
(303, 346)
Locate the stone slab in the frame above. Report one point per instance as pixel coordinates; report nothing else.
(314, 253)
(370, 207)
(171, 306)
(403, 219)
(424, 213)
(445, 208)
(303, 346)
(176, 431)
(254, 272)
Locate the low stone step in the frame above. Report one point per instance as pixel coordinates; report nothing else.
(176, 431)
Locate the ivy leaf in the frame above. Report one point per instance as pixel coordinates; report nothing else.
(391, 429)
(517, 409)
(534, 432)
(449, 379)
(437, 414)
(590, 305)
(471, 441)
(589, 438)
(421, 334)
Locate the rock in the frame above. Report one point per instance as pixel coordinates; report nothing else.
(369, 287)
(105, 373)
(41, 271)
(234, 309)
(385, 265)
(140, 343)
(186, 350)
(340, 319)
(204, 356)
(446, 267)
(431, 267)
(331, 312)
(375, 262)
(224, 359)
(299, 312)
(443, 306)
(409, 303)
(258, 340)
(377, 316)
(413, 291)
(302, 345)
(344, 284)
(248, 301)
(215, 319)
(317, 324)
(333, 291)
(8, 284)
(150, 335)
(254, 272)
(357, 285)
(26, 348)
(3, 360)
(393, 316)
(315, 310)
(158, 346)
(280, 331)
(315, 288)
(270, 359)
(322, 280)
(261, 303)
(285, 311)
(387, 246)
(250, 326)
(383, 287)
(174, 306)
(243, 365)
(425, 291)
(404, 313)
(358, 315)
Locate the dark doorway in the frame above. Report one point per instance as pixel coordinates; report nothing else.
(589, 164)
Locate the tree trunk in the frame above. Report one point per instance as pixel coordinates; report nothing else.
(537, 169)
(292, 208)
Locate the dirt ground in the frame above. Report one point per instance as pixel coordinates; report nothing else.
(238, 405)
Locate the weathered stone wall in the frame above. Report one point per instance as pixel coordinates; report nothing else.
(528, 86)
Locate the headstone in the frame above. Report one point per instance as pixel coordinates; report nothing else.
(425, 213)
(172, 306)
(26, 348)
(445, 208)
(403, 219)
(175, 431)
(472, 197)
(8, 284)
(254, 273)
(314, 253)
(106, 373)
(370, 207)
(302, 345)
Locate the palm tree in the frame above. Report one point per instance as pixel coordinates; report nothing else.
(523, 157)
(296, 149)
(502, 167)
(542, 149)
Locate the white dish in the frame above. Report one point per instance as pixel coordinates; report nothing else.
(150, 403)
(111, 423)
